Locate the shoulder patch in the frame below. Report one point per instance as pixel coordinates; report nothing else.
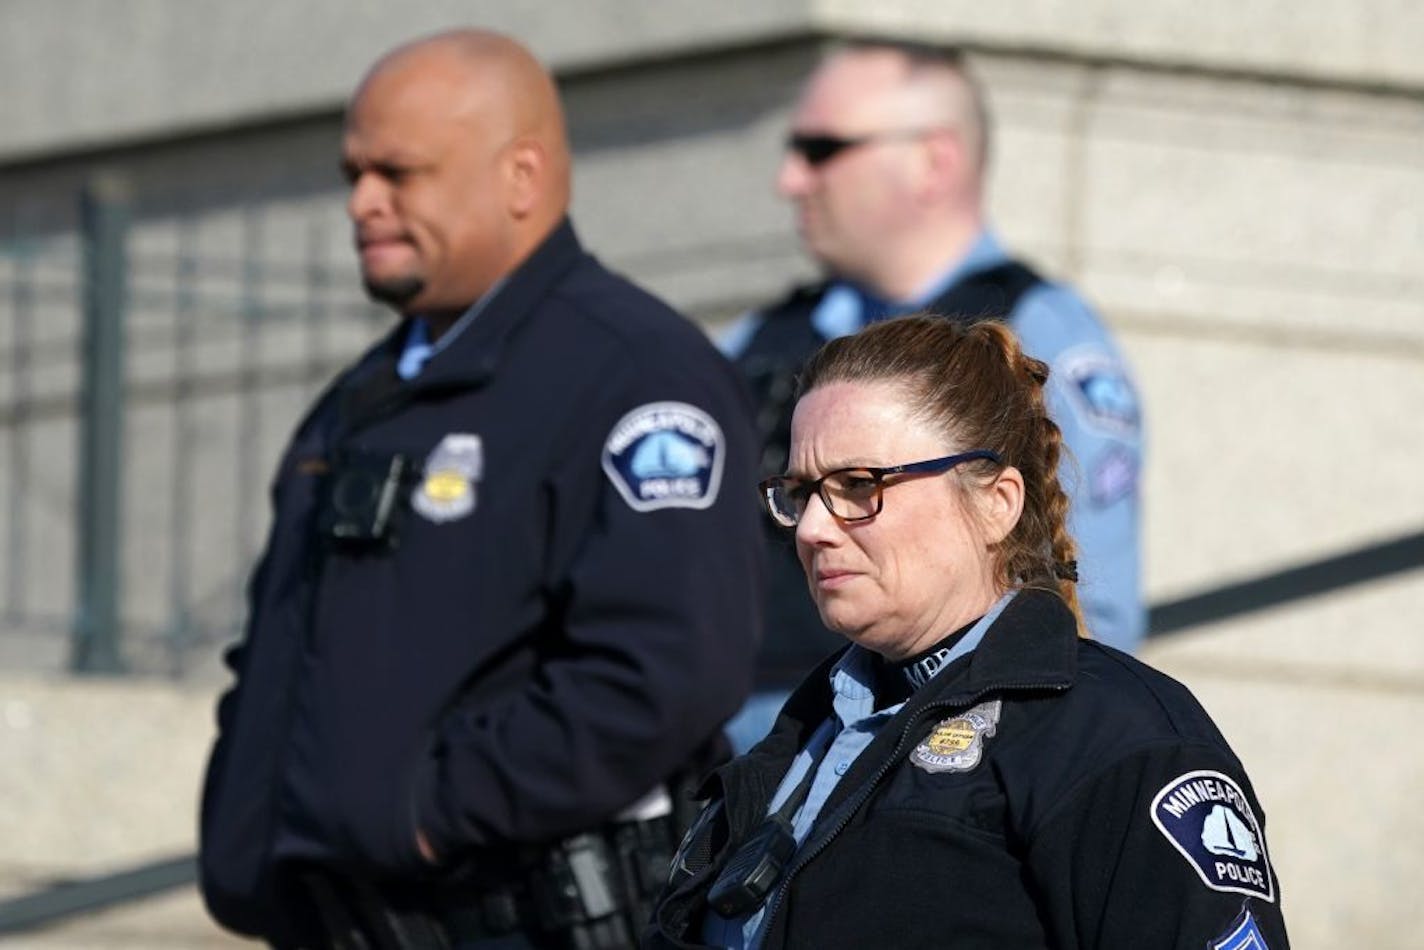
(1207, 818)
(665, 455)
(1114, 476)
(1099, 390)
(1242, 935)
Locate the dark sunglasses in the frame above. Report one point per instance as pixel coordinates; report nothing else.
(816, 150)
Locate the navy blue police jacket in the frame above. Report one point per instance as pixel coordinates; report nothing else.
(563, 618)
(1043, 791)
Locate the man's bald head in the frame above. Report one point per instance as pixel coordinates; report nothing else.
(458, 158)
(491, 80)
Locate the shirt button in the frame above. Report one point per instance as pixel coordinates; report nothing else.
(842, 767)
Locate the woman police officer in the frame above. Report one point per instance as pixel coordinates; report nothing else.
(971, 771)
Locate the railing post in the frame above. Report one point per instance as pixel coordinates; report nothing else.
(104, 217)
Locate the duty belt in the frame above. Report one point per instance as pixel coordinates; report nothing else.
(593, 891)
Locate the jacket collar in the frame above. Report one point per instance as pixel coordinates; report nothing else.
(1033, 645)
(471, 358)
(373, 390)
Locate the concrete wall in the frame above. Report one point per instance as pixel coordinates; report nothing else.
(1238, 189)
(149, 67)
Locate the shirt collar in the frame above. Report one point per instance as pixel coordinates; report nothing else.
(419, 350)
(840, 311)
(853, 686)
(985, 252)
(478, 337)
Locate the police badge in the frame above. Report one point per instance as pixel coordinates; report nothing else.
(447, 492)
(957, 744)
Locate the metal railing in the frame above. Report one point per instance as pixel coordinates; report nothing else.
(150, 370)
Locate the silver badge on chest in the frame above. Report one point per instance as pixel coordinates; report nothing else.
(447, 490)
(957, 743)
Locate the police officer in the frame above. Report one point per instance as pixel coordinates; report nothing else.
(885, 168)
(970, 771)
(510, 590)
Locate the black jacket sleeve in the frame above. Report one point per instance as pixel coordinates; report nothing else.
(1163, 849)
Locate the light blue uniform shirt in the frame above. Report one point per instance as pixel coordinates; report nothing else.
(1090, 395)
(418, 349)
(836, 745)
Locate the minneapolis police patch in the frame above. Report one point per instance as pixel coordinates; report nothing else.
(1206, 817)
(1243, 935)
(665, 455)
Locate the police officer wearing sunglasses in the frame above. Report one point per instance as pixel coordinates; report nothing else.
(971, 771)
(885, 169)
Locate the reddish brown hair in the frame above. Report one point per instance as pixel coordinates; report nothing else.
(976, 385)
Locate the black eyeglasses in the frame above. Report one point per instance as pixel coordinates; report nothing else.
(817, 149)
(851, 494)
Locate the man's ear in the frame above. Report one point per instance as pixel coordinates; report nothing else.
(526, 168)
(1001, 504)
(945, 160)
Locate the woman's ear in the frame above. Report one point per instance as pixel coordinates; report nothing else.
(1001, 504)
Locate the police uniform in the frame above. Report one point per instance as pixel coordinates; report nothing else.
(1039, 791)
(1090, 395)
(500, 603)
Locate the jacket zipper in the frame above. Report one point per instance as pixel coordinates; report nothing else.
(851, 806)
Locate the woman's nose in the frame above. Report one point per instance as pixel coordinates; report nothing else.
(816, 525)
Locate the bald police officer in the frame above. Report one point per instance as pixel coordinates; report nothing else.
(510, 592)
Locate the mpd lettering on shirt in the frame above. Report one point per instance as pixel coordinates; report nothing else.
(665, 455)
(1207, 818)
(923, 670)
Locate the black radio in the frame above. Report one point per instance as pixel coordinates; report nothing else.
(754, 870)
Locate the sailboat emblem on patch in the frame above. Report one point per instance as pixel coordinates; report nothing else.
(447, 492)
(665, 455)
(957, 745)
(1207, 818)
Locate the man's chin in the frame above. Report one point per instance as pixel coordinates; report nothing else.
(398, 292)
(826, 258)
